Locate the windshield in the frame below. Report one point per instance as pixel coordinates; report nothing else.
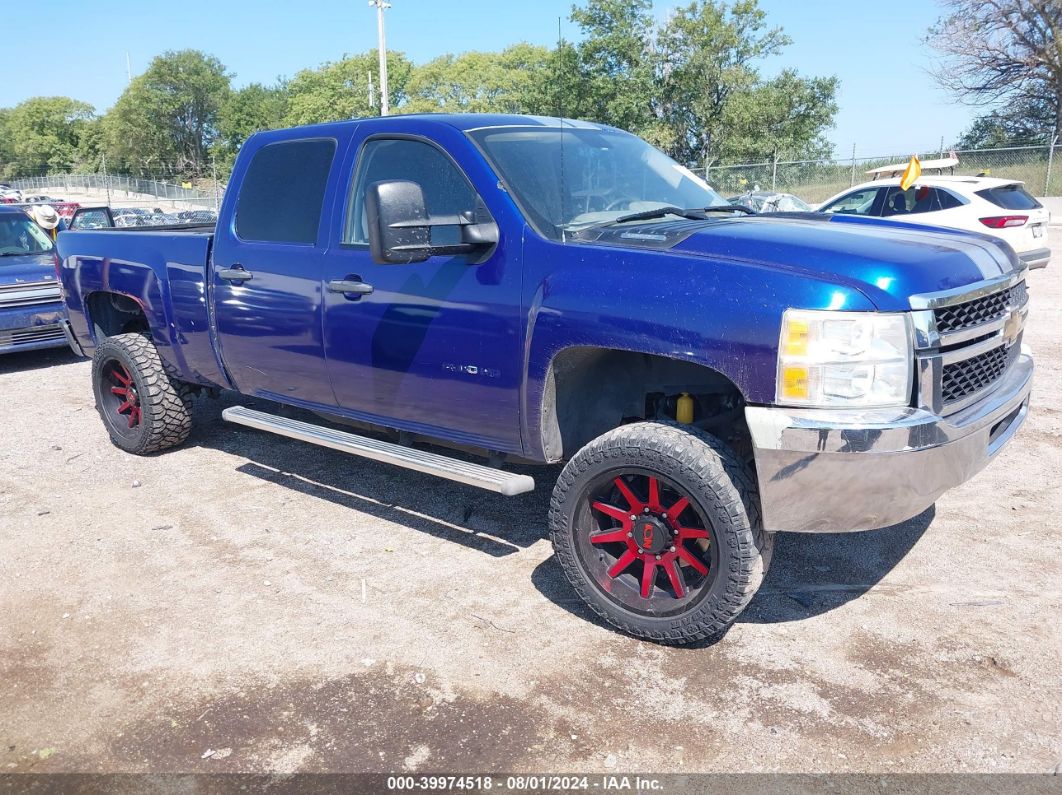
(20, 235)
(570, 178)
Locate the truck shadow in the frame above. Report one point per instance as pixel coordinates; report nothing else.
(497, 526)
(24, 361)
(811, 573)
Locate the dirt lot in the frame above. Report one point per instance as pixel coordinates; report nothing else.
(289, 608)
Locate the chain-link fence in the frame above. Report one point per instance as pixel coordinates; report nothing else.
(129, 190)
(817, 180)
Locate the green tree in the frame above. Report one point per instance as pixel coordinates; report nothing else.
(167, 119)
(784, 117)
(340, 89)
(615, 64)
(246, 111)
(7, 153)
(1022, 122)
(43, 134)
(708, 51)
(89, 156)
(480, 82)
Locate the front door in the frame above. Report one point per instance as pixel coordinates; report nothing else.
(266, 276)
(435, 347)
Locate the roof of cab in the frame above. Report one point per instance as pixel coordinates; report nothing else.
(461, 121)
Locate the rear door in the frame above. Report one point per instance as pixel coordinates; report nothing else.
(266, 274)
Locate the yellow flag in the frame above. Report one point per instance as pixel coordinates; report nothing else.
(911, 173)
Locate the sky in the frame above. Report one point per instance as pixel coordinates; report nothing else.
(888, 102)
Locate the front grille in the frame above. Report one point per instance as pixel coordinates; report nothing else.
(28, 336)
(980, 310)
(962, 379)
(30, 294)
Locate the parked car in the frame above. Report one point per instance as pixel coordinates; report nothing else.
(1001, 207)
(197, 216)
(31, 304)
(40, 198)
(709, 377)
(766, 201)
(10, 196)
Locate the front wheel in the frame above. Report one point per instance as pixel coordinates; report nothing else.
(142, 406)
(656, 526)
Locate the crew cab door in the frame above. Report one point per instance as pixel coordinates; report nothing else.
(435, 346)
(266, 274)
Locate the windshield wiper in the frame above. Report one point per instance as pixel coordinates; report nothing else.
(726, 208)
(659, 212)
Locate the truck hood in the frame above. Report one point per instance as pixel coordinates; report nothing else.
(887, 262)
(25, 268)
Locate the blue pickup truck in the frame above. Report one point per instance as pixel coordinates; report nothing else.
(547, 291)
(31, 305)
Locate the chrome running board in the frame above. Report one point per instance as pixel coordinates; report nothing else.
(484, 477)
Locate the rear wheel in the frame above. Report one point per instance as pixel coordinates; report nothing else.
(142, 406)
(656, 528)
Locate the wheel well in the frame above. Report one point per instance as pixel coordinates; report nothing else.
(590, 391)
(113, 313)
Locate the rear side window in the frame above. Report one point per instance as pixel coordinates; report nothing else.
(282, 192)
(919, 199)
(1010, 197)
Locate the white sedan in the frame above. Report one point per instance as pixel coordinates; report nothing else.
(1000, 207)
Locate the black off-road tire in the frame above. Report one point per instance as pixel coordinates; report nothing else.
(165, 403)
(725, 494)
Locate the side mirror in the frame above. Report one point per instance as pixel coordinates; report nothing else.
(399, 226)
(397, 218)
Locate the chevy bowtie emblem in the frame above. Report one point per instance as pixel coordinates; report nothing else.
(1012, 328)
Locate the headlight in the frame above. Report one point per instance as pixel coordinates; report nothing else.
(852, 359)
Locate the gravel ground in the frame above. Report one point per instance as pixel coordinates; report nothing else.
(247, 603)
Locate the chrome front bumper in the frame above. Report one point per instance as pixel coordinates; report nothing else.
(1036, 259)
(840, 470)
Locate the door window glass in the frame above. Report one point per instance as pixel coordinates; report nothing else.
(860, 202)
(446, 189)
(914, 200)
(282, 192)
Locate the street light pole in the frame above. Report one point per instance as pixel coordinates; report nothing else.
(382, 48)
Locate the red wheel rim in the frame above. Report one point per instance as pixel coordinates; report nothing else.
(125, 397)
(644, 543)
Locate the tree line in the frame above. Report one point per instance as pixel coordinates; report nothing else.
(690, 84)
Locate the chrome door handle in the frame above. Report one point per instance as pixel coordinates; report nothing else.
(349, 286)
(237, 274)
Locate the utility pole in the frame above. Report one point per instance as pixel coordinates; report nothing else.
(214, 168)
(128, 67)
(382, 48)
(372, 93)
(1050, 159)
(106, 180)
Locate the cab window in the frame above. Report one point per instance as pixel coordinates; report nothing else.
(447, 191)
(860, 202)
(282, 192)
